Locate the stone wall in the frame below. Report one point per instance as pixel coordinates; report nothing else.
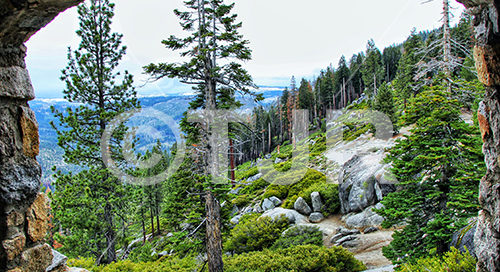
(487, 56)
(23, 210)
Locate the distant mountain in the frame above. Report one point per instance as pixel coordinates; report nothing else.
(149, 129)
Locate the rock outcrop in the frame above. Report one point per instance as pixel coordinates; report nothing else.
(363, 181)
(487, 56)
(293, 216)
(23, 211)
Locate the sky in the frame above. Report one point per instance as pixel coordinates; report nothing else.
(287, 37)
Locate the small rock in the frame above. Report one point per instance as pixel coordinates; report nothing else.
(267, 205)
(278, 160)
(254, 178)
(235, 191)
(268, 156)
(163, 253)
(247, 210)
(58, 261)
(275, 200)
(301, 206)
(316, 217)
(316, 201)
(351, 244)
(370, 230)
(235, 220)
(257, 208)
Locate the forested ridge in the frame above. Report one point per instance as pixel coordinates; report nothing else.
(262, 212)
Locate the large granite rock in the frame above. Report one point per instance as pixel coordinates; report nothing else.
(367, 218)
(464, 239)
(293, 216)
(363, 181)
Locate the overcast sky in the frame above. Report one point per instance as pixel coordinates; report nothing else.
(288, 37)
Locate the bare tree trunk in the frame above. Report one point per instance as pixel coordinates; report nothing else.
(269, 137)
(446, 42)
(110, 234)
(214, 238)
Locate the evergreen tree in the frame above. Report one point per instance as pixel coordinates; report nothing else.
(89, 203)
(391, 57)
(373, 69)
(438, 166)
(306, 97)
(341, 81)
(384, 102)
(405, 79)
(213, 43)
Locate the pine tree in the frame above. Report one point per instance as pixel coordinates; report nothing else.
(384, 102)
(373, 69)
(213, 43)
(405, 78)
(306, 96)
(438, 167)
(88, 203)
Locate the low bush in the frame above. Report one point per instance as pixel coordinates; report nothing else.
(165, 264)
(452, 261)
(254, 233)
(300, 235)
(306, 258)
(278, 191)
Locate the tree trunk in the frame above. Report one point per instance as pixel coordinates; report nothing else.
(214, 238)
(110, 234)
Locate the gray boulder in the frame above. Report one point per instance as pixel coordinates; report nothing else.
(301, 206)
(293, 216)
(267, 204)
(316, 217)
(316, 201)
(365, 219)
(246, 210)
(58, 261)
(359, 187)
(254, 178)
(75, 269)
(464, 238)
(278, 160)
(235, 220)
(336, 237)
(276, 201)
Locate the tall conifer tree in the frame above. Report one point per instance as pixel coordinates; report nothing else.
(88, 204)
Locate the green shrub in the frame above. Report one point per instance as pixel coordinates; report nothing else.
(278, 191)
(244, 174)
(307, 258)
(164, 264)
(288, 203)
(254, 233)
(329, 195)
(241, 200)
(311, 177)
(255, 189)
(452, 261)
(300, 235)
(142, 254)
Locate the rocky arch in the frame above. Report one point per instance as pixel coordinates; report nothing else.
(24, 211)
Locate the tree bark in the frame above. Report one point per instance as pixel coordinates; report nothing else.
(214, 238)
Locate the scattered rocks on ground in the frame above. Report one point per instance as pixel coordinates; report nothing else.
(302, 207)
(257, 208)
